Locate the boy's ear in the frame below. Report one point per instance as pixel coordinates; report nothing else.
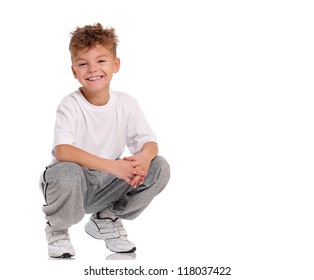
(116, 65)
(74, 72)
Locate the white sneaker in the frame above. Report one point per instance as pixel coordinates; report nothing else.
(59, 244)
(110, 230)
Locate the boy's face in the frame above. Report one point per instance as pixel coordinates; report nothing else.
(94, 68)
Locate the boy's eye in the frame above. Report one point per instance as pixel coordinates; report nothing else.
(81, 64)
(102, 61)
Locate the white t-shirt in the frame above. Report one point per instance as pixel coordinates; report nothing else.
(105, 130)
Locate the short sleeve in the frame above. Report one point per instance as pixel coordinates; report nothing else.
(138, 130)
(66, 122)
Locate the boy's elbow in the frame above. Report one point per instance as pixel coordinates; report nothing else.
(60, 152)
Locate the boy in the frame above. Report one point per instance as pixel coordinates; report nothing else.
(93, 126)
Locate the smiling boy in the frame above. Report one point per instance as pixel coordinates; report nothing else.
(93, 126)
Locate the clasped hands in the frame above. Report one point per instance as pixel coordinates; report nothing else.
(132, 169)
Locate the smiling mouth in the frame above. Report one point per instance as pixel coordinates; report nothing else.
(94, 78)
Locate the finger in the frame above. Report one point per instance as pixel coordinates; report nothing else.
(130, 158)
(142, 180)
(138, 171)
(127, 179)
(135, 163)
(135, 181)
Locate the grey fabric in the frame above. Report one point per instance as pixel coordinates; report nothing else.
(71, 190)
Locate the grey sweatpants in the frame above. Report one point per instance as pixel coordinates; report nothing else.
(71, 190)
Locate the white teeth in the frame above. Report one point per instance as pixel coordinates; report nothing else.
(94, 78)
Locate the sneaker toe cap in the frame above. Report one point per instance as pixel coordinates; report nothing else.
(120, 245)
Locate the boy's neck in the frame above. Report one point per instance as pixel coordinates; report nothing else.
(96, 98)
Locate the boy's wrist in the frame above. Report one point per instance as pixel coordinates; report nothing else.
(149, 150)
(108, 165)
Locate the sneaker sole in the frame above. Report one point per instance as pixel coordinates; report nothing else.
(63, 256)
(66, 256)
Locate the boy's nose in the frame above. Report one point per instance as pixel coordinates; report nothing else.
(92, 68)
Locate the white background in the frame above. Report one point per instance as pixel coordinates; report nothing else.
(227, 87)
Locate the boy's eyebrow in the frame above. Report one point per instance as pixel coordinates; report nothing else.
(103, 55)
(79, 58)
(99, 56)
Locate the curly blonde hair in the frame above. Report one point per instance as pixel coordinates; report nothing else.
(92, 35)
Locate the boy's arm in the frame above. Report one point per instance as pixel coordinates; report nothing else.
(149, 150)
(122, 169)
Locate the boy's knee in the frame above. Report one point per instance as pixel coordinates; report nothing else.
(69, 169)
(65, 174)
(164, 166)
(160, 171)
(64, 182)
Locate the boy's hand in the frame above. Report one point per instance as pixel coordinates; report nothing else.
(142, 163)
(127, 170)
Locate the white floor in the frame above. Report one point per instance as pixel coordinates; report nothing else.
(227, 86)
(254, 244)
